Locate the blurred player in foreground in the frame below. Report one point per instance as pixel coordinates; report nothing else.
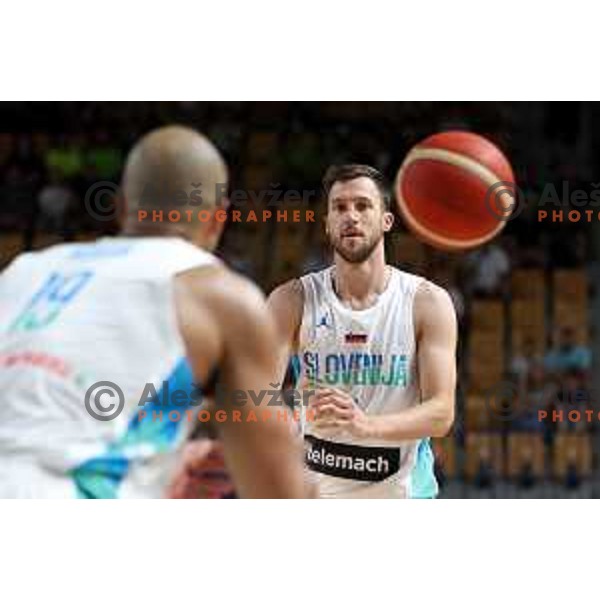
(148, 307)
(378, 346)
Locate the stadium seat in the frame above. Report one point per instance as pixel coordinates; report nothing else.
(528, 313)
(482, 376)
(528, 284)
(487, 345)
(572, 449)
(528, 322)
(477, 414)
(571, 301)
(524, 448)
(570, 284)
(520, 337)
(574, 316)
(487, 315)
(485, 359)
(483, 447)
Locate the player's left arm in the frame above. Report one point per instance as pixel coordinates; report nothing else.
(436, 335)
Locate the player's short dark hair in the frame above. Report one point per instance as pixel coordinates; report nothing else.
(352, 171)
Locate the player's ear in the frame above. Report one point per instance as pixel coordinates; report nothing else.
(388, 221)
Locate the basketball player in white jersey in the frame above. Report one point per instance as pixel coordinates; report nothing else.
(378, 347)
(150, 307)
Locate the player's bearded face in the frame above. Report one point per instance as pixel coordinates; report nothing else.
(355, 246)
(356, 220)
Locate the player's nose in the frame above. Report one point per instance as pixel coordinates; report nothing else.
(352, 217)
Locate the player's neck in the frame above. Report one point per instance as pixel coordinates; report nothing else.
(360, 284)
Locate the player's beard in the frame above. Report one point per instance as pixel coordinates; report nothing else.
(361, 252)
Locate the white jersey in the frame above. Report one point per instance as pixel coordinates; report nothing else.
(371, 354)
(75, 315)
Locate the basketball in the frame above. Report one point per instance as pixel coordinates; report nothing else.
(455, 190)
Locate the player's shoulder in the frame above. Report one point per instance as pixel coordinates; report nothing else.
(286, 304)
(420, 284)
(292, 291)
(430, 293)
(35, 256)
(411, 283)
(26, 262)
(430, 290)
(15, 263)
(432, 304)
(289, 291)
(220, 313)
(220, 290)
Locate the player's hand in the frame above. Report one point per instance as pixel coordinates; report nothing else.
(335, 411)
(202, 472)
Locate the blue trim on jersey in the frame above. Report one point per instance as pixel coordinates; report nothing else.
(295, 366)
(100, 477)
(163, 432)
(423, 482)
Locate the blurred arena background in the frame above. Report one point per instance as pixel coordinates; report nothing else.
(525, 302)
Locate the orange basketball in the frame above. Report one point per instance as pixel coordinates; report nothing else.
(455, 190)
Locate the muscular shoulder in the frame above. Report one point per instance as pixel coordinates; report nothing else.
(430, 293)
(229, 297)
(219, 310)
(286, 303)
(433, 307)
(289, 292)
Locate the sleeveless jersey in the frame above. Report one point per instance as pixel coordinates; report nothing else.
(80, 315)
(371, 354)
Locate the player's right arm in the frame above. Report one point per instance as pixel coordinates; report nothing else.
(263, 457)
(286, 304)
